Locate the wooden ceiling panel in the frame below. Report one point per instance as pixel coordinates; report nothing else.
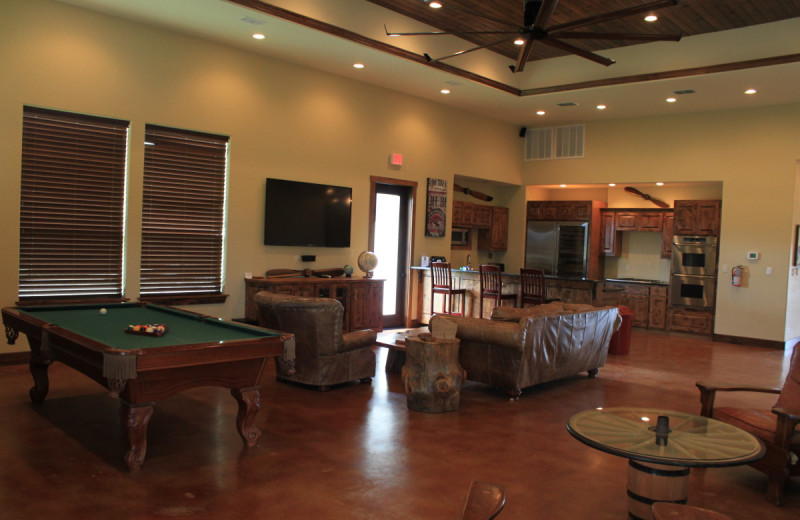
(689, 17)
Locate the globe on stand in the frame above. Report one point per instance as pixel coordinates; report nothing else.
(348, 270)
(367, 261)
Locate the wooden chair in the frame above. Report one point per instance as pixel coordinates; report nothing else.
(777, 427)
(534, 289)
(492, 287)
(442, 283)
(484, 501)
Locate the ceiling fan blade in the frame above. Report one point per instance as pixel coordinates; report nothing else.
(459, 53)
(545, 12)
(440, 33)
(613, 15)
(524, 54)
(620, 36)
(602, 60)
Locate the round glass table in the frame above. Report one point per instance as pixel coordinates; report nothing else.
(661, 446)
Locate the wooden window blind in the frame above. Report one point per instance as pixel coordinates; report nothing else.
(71, 205)
(183, 213)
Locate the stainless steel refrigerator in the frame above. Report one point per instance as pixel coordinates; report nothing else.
(559, 248)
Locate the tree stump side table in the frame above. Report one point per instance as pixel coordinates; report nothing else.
(432, 375)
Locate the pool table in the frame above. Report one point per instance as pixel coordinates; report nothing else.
(196, 350)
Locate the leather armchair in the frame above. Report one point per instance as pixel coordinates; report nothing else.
(777, 428)
(324, 356)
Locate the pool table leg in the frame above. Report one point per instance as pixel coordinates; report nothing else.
(135, 418)
(249, 400)
(41, 359)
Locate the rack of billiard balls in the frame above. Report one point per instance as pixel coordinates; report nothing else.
(147, 330)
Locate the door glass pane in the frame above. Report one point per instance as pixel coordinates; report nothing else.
(387, 229)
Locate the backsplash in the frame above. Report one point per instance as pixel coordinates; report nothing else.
(640, 258)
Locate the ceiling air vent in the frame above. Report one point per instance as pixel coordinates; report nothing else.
(568, 104)
(560, 142)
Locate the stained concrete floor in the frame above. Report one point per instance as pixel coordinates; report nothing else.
(357, 452)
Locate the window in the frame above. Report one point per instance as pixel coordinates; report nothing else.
(71, 205)
(183, 215)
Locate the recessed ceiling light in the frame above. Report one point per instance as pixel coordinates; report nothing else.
(435, 5)
(519, 41)
(650, 18)
(601, 107)
(750, 91)
(540, 112)
(563, 185)
(659, 184)
(358, 65)
(612, 184)
(445, 91)
(259, 36)
(671, 100)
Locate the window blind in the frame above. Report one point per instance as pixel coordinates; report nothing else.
(71, 205)
(183, 212)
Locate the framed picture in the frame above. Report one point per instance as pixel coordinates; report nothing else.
(796, 246)
(436, 209)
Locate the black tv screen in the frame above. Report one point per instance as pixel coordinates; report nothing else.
(306, 214)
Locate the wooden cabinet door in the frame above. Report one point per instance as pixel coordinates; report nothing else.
(461, 215)
(666, 236)
(690, 320)
(650, 221)
(625, 221)
(708, 215)
(657, 313)
(366, 306)
(610, 244)
(499, 230)
(482, 217)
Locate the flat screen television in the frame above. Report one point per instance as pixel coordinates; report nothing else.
(306, 214)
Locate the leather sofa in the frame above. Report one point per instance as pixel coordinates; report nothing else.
(324, 356)
(518, 348)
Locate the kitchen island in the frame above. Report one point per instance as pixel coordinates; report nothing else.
(570, 290)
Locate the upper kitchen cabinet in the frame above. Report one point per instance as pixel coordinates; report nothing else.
(610, 241)
(560, 210)
(697, 217)
(639, 220)
(495, 238)
(463, 214)
(666, 235)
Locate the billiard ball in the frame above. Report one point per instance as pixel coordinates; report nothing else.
(103, 310)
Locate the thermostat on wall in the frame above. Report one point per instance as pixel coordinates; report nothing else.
(752, 255)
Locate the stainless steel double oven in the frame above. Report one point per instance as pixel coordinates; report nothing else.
(694, 271)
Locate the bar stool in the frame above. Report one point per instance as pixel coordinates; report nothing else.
(442, 283)
(492, 287)
(533, 287)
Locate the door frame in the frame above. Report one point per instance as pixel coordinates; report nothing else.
(374, 180)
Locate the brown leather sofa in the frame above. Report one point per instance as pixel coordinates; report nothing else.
(323, 355)
(518, 348)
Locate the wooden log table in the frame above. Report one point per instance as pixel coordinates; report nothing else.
(395, 341)
(432, 375)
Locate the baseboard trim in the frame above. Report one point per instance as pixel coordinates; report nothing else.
(753, 342)
(15, 358)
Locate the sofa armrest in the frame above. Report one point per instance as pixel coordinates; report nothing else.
(501, 333)
(358, 339)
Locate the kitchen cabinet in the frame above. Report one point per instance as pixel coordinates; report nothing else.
(657, 311)
(560, 210)
(666, 236)
(571, 291)
(697, 217)
(462, 214)
(496, 237)
(482, 216)
(611, 240)
(639, 220)
(690, 320)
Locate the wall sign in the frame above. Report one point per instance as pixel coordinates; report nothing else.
(436, 210)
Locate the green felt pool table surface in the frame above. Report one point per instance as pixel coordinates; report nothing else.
(183, 328)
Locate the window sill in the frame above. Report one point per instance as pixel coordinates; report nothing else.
(185, 299)
(69, 301)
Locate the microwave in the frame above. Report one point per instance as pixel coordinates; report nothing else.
(459, 237)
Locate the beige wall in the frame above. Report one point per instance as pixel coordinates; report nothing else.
(292, 122)
(752, 152)
(283, 121)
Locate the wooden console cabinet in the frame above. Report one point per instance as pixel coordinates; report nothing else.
(362, 298)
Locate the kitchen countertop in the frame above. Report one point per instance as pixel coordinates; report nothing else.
(568, 278)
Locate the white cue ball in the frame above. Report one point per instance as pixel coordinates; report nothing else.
(103, 310)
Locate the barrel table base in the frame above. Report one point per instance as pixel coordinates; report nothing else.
(649, 483)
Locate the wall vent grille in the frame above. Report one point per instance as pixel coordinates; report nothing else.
(560, 142)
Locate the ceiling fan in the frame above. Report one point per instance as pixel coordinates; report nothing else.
(535, 28)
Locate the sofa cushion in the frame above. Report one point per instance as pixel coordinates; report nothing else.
(500, 313)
